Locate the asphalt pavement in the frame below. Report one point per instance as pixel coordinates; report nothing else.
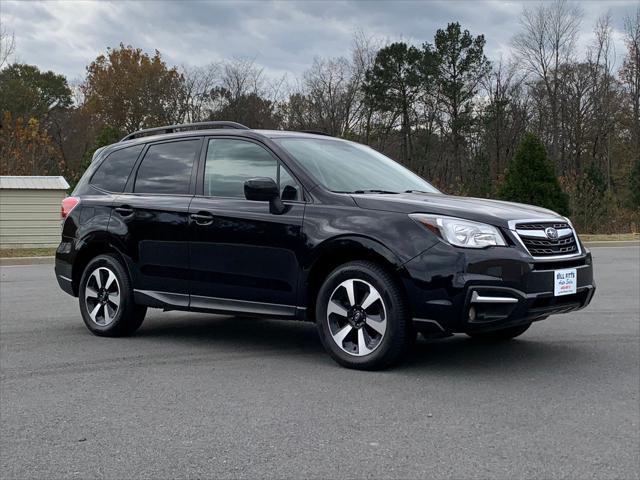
(193, 395)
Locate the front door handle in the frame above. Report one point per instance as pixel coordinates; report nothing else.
(202, 218)
(124, 210)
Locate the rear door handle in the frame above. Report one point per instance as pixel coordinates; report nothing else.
(124, 210)
(202, 218)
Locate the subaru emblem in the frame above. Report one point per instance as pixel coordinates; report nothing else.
(551, 233)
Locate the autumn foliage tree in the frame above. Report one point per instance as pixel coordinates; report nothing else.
(128, 89)
(27, 98)
(26, 148)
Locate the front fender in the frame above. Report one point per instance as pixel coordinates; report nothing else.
(353, 242)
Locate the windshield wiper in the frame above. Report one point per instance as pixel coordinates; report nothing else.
(416, 191)
(373, 191)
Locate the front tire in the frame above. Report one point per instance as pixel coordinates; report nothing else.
(362, 317)
(501, 335)
(106, 299)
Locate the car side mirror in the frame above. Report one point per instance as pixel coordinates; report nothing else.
(264, 189)
(261, 189)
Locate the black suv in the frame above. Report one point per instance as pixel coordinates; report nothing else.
(216, 217)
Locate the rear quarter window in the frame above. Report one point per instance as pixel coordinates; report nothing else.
(114, 171)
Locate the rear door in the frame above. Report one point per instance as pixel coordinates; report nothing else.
(152, 219)
(106, 182)
(243, 256)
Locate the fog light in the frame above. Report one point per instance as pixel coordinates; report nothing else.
(472, 314)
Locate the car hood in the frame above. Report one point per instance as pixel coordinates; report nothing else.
(493, 212)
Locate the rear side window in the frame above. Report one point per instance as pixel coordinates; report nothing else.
(166, 168)
(113, 172)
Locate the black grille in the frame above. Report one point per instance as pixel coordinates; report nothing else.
(557, 304)
(544, 247)
(542, 226)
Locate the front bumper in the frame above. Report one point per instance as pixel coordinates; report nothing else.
(464, 290)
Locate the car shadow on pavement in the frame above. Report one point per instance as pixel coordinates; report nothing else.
(243, 333)
(460, 354)
(457, 354)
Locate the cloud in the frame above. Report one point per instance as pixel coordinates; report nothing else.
(284, 37)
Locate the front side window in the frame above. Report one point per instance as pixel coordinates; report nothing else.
(348, 167)
(114, 171)
(166, 168)
(231, 162)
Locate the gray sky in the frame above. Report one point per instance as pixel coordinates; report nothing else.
(281, 36)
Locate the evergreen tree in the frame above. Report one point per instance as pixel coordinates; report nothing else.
(531, 178)
(393, 84)
(27, 92)
(461, 67)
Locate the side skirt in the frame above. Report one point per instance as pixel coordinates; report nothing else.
(171, 301)
(195, 303)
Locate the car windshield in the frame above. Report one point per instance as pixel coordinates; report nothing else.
(347, 167)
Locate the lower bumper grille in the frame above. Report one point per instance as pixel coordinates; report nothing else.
(564, 304)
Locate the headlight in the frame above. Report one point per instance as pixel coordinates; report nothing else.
(460, 232)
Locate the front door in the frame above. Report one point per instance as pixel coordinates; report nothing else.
(243, 257)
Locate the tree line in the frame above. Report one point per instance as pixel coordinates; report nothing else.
(441, 108)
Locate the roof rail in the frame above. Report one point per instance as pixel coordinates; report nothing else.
(184, 127)
(317, 132)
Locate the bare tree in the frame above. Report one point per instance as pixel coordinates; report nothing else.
(329, 96)
(547, 42)
(605, 100)
(7, 46)
(630, 75)
(331, 90)
(242, 76)
(245, 95)
(363, 55)
(506, 114)
(199, 82)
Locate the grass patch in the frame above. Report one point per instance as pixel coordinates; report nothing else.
(613, 237)
(27, 252)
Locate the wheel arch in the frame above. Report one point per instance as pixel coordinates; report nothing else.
(338, 251)
(88, 249)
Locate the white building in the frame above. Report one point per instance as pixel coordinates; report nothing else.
(30, 211)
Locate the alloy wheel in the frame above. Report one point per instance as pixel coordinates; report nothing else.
(357, 317)
(102, 296)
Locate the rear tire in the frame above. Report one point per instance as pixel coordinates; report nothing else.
(501, 335)
(362, 317)
(106, 299)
